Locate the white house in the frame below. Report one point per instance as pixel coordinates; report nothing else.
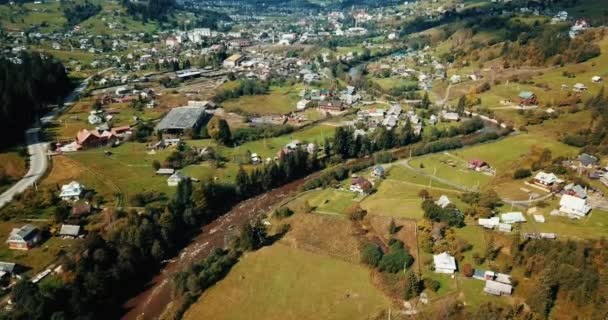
(490, 223)
(302, 104)
(69, 230)
(573, 206)
(71, 191)
(454, 79)
(443, 201)
(539, 218)
(175, 179)
(546, 179)
(512, 217)
(505, 227)
(497, 288)
(596, 79)
(444, 263)
(579, 87)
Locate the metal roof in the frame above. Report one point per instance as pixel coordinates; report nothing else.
(181, 118)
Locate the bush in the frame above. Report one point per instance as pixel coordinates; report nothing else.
(432, 284)
(371, 254)
(522, 173)
(283, 213)
(396, 259)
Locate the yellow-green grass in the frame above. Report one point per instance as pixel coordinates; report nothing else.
(270, 147)
(279, 282)
(115, 13)
(593, 226)
(503, 154)
(438, 165)
(400, 199)
(332, 201)
(447, 284)
(34, 14)
(475, 235)
(67, 55)
(127, 171)
(280, 100)
(400, 173)
(37, 258)
(567, 123)
(473, 295)
(13, 164)
(393, 82)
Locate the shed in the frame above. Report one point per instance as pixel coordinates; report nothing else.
(69, 230)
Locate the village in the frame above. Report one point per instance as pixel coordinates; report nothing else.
(432, 156)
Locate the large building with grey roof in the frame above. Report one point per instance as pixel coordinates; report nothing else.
(180, 119)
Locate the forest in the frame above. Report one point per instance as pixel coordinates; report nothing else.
(27, 88)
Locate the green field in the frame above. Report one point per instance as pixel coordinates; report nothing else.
(280, 100)
(270, 147)
(332, 201)
(279, 282)
(400, 199)
(593, 226)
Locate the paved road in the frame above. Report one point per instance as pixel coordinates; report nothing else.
(37, 150)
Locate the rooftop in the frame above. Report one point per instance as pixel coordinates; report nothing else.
(181, 118)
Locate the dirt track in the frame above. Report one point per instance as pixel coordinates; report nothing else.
(150, 303)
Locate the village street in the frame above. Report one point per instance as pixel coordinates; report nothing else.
(38, 161)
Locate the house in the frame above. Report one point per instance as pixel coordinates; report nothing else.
(490, 223)
(546, 179)
(302, 104)
(450, 116)
(255, 158)
(579, 87)
(596, 79)
(80, 210)
(233, 61)
(23, 238)
(311, 148)
(574, 207)
(8, 267)
(331, 106)
(69, 231)
(165, 171)
(512, 217)
(71, 191)
(443, 201)
(587, 160)
(175, 179)
(575, 190)
(504, 227)
(497, 288)
(360, 185)
(180, 119)
(527, 98)
(539, 218)
(454, 79)
(89, 139)
(378, 172)
(478, 164)
(444, 263)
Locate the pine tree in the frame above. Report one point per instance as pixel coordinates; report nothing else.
(426, 102)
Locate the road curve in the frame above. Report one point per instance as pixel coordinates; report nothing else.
(39, 161)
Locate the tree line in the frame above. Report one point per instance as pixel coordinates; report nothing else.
(94, 282)
(27, 88)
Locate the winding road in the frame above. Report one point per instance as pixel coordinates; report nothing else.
(39, 161)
